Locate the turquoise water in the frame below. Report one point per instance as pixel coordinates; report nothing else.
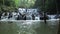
(28, 27)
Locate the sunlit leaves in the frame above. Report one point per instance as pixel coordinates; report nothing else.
(25, 3)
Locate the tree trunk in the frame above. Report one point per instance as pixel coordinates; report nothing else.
(59, 27)
(44, 11)
(58, 3)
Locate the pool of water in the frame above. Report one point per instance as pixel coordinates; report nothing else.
(29, 27)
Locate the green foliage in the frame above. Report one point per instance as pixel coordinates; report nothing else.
(50, 4)
(7, 3)
(25, 3)
(44, 6)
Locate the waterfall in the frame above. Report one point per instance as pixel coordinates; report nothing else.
(51, 16)
(26, 14)
(22, 10)
(31, 14)
(4, 17)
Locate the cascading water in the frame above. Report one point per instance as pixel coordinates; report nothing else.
(51, 16)
(14, 16)
(4, 17)
(31, 14)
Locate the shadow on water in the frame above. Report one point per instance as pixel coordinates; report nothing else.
(28, 27)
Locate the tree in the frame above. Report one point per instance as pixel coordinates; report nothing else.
(25, 3)
(58, 4)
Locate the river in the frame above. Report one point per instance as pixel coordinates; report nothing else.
(29, 27)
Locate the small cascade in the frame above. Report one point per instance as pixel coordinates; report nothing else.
(51, 16)
(4, 16)
(24, 14)
(33, 14)
(30, 15)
